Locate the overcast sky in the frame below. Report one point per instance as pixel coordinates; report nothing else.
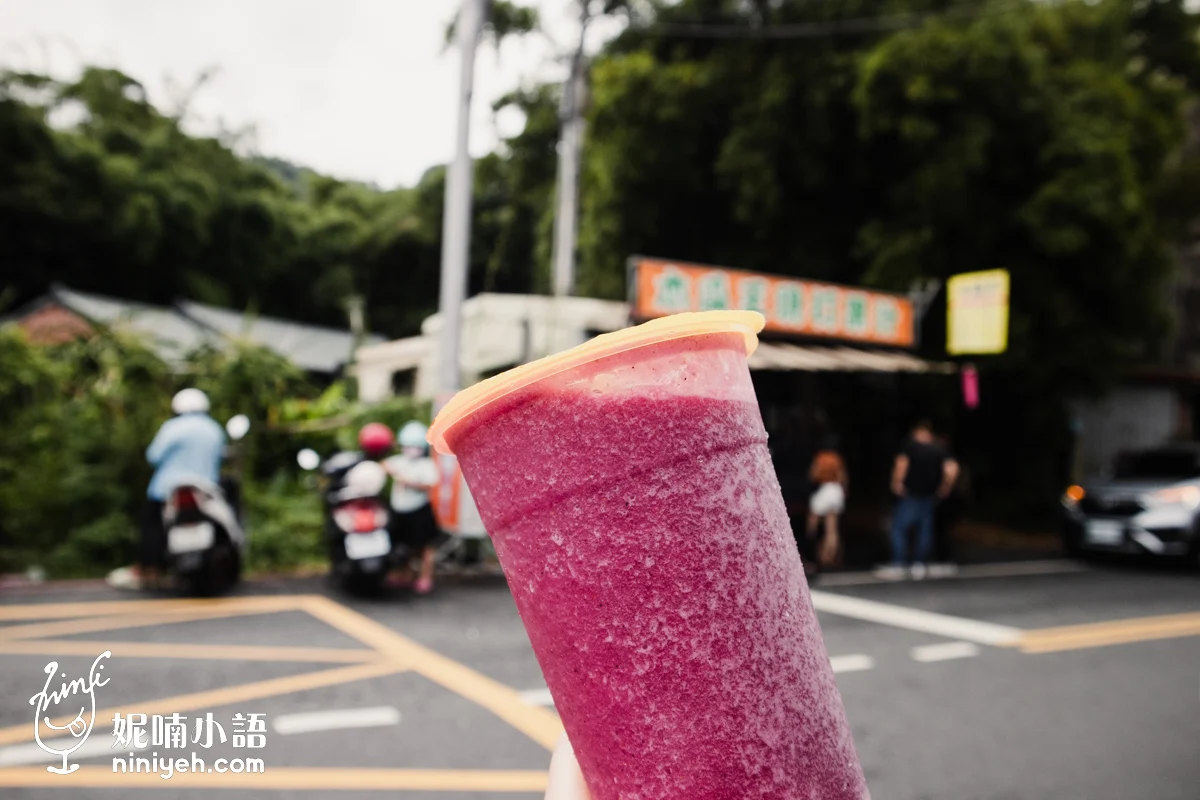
(360, 89)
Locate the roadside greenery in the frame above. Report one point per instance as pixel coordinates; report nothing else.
(1048, 138)
(76, 419)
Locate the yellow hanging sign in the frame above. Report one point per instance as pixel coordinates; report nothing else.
(977, 313)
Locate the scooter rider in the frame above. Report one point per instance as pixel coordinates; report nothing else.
(414, 473)
(190, 444)
(375, 443)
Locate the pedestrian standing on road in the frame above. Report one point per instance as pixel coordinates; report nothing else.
(829, 476)
(414, 474)
(949, 510)
(923, 474)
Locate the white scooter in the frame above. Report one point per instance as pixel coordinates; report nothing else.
(361, 550)
(205, 540)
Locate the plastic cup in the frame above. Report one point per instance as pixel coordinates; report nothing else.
(635, 510)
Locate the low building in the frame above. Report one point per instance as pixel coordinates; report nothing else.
(499, 331)
(832, 359)
(176, 330)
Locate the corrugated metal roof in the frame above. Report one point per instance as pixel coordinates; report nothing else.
(168, 332)
(806, 358)
(175, 331)
(309, 347)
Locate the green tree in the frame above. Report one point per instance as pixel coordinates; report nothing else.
(1034, 142)
(1043, 138)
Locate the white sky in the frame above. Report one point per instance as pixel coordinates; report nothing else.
(359, 89)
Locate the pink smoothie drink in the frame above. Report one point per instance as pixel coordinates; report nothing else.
(637, 516)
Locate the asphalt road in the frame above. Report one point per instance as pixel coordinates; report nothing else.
(1067, 682)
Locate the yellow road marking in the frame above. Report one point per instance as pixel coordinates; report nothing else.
(43, 630)
(1103, 634)
(227, 695)
(31, 611)
(539, 724)
(399, 653)
(375, 635)
(286, 778)
(221, 652)
(18, 613)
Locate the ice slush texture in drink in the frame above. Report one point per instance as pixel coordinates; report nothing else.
(638, 519)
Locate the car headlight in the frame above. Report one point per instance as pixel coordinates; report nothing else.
(1188, 496)
(1072, 496)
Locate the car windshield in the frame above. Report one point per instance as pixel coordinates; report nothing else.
(1160, 464)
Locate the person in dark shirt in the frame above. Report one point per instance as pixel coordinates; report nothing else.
(923, 474)
(948, 513)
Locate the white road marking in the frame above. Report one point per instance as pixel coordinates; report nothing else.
(840, 664)
(914, 619)
(1012, 569)
(537, 697)
(338, 719)
(944, 652)
(853, 663)
(99, 743)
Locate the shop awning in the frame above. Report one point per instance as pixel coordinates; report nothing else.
(808, 358)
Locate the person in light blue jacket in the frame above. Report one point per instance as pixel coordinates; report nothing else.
(186, 447)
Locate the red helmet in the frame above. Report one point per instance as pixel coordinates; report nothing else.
(375, 438)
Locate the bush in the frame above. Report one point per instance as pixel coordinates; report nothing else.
(96, 546)
(78, 416)
(76, 420)
(283, 526)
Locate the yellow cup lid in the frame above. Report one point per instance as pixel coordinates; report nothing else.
(675, 326)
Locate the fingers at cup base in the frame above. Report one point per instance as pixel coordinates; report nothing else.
(566, 780)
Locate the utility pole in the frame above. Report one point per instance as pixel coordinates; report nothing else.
(456, 223)
(922, 293)
(566, 214)
(355, 305)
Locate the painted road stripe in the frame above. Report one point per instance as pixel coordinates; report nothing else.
(1016, 569)
(229, 695)
(1104, 634)
(70, 627)
(913, 619)
(537, 697)
(220, 652)
(336, 720)
(852, 663)
(944, 652)
(99, 743)
(101, 776)
(539, 724)
(32, 611)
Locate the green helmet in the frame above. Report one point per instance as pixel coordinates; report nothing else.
(412, 435)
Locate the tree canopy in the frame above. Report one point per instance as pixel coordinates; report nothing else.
(1030, 136)
(869, 141)
(104, 192)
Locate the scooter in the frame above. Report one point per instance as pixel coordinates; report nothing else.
(205, 539)
(361, 550)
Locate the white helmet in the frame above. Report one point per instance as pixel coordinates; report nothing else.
(364, 480)
(412, 435)
(190, 401)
